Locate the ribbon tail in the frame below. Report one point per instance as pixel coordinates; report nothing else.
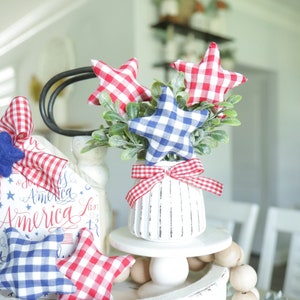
(142, 188)
(42, 169)
(205, 184)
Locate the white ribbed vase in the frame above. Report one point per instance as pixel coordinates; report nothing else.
(171, 211)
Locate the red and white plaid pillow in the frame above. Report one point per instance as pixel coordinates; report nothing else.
(121, 84)
(208, 81)
(92, 272)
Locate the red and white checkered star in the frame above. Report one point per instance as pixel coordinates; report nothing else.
(120, 83)
(92, 272)
(208, 81)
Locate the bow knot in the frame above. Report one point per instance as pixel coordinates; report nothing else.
(187, 172)
(41, 168)
(21, 137)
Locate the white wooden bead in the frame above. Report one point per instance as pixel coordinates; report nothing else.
(244, 296)
(243, 278)
(168, 271)
(229, 257)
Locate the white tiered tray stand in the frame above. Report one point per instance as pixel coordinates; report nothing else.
(169, 270)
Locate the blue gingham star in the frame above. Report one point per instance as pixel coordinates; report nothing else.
(30, 270)
(168, 129)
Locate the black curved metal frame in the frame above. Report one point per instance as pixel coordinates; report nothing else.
(47, 107)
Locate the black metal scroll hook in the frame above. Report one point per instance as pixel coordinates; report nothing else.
(46, 108)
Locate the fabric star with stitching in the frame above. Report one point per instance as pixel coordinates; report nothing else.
(121, 84)
(208, 81)
(30, 270)
(92, 272)
(9, 154)
(168, 129)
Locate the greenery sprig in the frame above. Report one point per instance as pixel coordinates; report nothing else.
(116, 133)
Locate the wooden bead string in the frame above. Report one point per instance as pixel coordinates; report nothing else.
(243, 277)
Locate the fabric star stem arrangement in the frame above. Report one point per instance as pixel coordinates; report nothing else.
(203, 139)
(168, 127)
(196, 94)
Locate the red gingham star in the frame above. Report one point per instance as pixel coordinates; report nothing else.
(121, 83)
(208, 81)
(90, 271)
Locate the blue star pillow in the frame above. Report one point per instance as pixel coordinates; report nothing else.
(168, 130)
(30, 270)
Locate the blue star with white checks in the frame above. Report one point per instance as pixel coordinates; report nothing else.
(168, 130)
(30, 270)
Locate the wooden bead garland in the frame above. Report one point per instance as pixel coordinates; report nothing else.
(243, 277)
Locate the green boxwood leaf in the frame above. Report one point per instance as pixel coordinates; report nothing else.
(196, 136)
(234, 99)
(117, 106)
(225, 104)
(199, 133)
(131, 136)
(182, 99)
(117, 141)
(206, 105)
(209, 141)
(129, 153)
(212, 123)
(203, 149)
(220, 136)
(88, 148)
(117, 128)
(132, 110)
(105, 100)
(230, 113)
(111, 116)
(92, 144)
(231, 121)
(143, 106)
(99, 134)
(150, 110)
(177, 83)
(156, 89)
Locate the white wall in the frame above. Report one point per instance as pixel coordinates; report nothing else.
(270, 40)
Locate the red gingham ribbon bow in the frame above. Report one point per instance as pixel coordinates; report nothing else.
(39, 167)
(187, 171)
